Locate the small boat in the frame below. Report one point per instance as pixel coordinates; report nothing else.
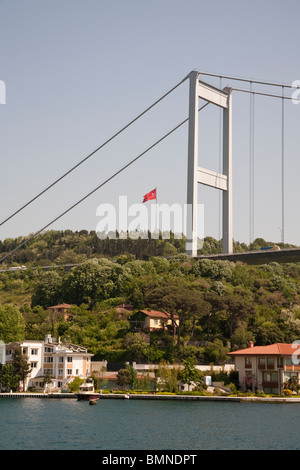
(87, 391)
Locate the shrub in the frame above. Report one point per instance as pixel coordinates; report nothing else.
(233, 387)
(287, 391)
(260, 393)
(75, 384)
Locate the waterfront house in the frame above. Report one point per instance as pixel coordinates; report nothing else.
(63, 361)
(267, 368)
(151, 320)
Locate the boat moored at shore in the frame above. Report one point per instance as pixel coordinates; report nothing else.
(87, 391)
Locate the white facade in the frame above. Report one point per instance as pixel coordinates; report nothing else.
(62, 361)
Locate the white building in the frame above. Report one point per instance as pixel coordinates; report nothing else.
(61, 360)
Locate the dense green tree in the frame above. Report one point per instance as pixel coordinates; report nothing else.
(268, 332)
(12, 324)
(8, 378)
(167, 377)
(241, 337)
(237, 310)
(179, 300)
(132, 382)
(75, 384)
(91, 282)
(47, 291)
(216, 352)
(123, 378)
(189, 373)
(137, 346)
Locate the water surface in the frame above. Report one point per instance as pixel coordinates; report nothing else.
(65, 424)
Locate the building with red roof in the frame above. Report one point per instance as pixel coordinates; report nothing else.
(151, 320)
(61, 308)
(267, 368)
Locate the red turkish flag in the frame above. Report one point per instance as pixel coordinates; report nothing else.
(149, 196)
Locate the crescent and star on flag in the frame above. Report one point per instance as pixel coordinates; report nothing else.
(149, 196)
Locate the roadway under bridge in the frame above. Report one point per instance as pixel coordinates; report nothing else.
(290, 255)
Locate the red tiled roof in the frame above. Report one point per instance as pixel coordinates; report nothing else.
(277, 349)
(61, 306)
(156, 314)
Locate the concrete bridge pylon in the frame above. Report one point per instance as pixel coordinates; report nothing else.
(196, 174)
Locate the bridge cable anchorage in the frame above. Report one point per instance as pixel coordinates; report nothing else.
(34, 235)
(94, 151)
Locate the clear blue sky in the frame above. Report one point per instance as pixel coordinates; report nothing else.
(77, 71)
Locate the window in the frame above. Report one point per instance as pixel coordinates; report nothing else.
(60, 359)
(270, 382)
(33, 365)
(248, 362)
(279, 362)
(270, 376)
(270, 362)
(48, 359)
(288, 361)
(34, 352)
(70, 359)
(69, 371)
(48, 349)
(261, 362)
(60, 372)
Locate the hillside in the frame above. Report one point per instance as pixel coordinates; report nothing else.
(62, 247)
(221, 305)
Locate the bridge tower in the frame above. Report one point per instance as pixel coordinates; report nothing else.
(197, 174)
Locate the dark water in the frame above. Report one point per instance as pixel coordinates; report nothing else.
(42, 424)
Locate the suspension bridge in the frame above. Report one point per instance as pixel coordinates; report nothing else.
(200, 89)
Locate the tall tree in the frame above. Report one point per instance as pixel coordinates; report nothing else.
(180, 300)
(21, 365)
(189, 374)
(123, 378)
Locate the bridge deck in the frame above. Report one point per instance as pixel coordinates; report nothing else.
(259, 257)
